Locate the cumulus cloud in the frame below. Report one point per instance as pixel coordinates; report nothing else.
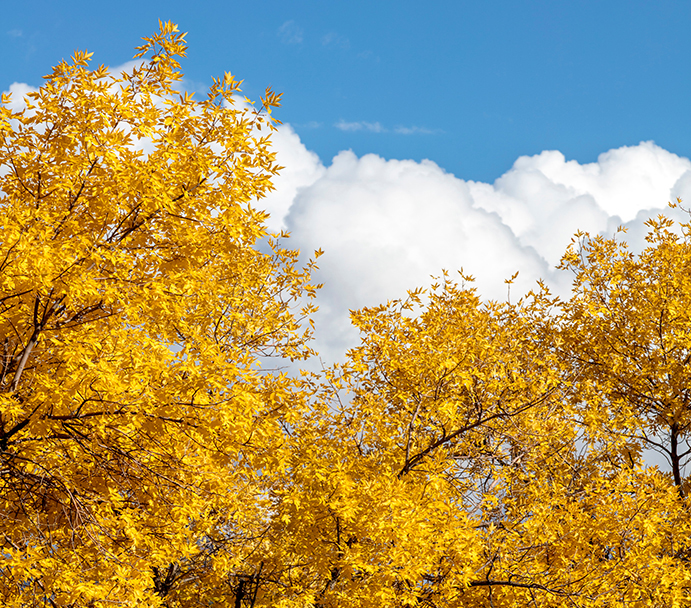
(544, 199)
(18, 91)
(301, 168)
(385, 227)
(389, 225)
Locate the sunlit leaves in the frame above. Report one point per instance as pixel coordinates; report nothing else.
(137, 430)
(489, 454)
(627, 332)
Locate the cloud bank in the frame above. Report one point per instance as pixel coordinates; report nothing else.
(387, 226)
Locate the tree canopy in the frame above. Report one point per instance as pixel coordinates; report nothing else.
(135, 307)
(467, 453)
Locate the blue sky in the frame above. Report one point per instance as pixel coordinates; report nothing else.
(470, 85)
(538, 119)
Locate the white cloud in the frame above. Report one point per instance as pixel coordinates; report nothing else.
(374, 127)
(312, 124)
(415, 131)
(367, 55)
(387, 226)
(334, 40)
(19, 90)
(377, 127)
(302, 168)
(290, 33)
(544, 199)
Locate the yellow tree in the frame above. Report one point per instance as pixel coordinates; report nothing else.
(136, 428)
(399, 495)
(628, 337)
(458, 473)
(626, 341)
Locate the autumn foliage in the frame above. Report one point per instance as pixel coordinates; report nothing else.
(467, 453)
